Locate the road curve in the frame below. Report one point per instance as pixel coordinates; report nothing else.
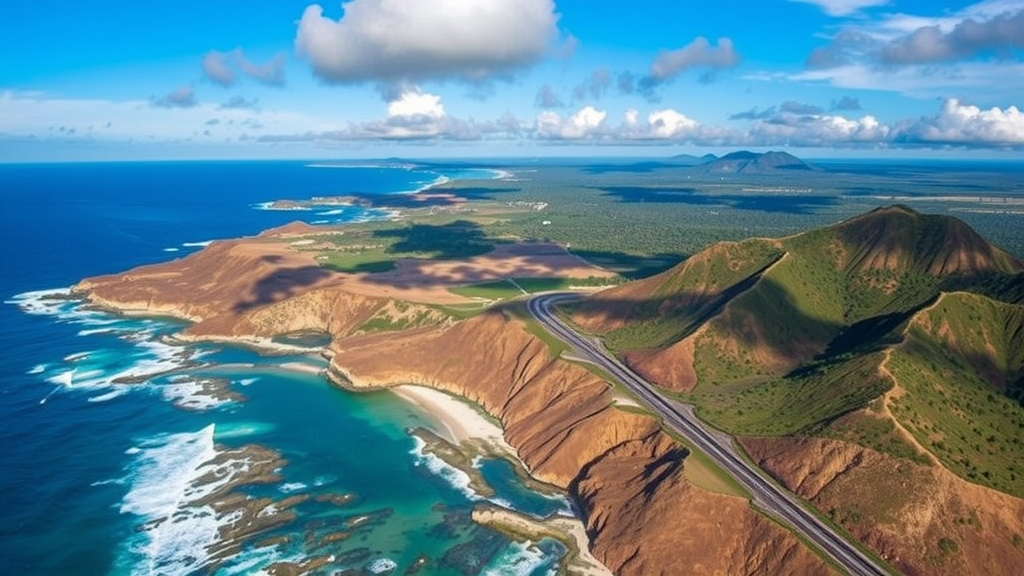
(680, 418)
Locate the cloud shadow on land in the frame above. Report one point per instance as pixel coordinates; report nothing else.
(281, 284)
(785, 204)
(459, 239)
(433, 197)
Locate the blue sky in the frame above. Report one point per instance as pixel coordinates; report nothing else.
(374, 78)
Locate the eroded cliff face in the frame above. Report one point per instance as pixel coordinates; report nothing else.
(642, 515)
(922, 518)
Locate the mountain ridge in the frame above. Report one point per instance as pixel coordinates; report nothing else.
(892, 341)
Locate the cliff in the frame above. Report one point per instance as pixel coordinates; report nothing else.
(642, 515)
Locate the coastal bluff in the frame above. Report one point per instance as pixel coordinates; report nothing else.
(642, 514)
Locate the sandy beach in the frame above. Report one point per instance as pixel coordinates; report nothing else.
(459, 420)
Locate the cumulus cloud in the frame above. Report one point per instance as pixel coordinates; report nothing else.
(412, 115)
(843, 7)
(395, 40)
(183, 97)
(669, 124)
(999, 35)
(219, 68)
(963, 124)
(818, 130)
(547, 98)
(413, 104)
(587, 122)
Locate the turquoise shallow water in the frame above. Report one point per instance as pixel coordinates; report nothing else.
(106, 477)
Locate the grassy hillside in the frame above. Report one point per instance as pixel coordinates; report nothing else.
(961, 371)
(841, 332)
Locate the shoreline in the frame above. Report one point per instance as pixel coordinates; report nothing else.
(458, 420)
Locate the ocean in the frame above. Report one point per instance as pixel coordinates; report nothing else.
(118, 450)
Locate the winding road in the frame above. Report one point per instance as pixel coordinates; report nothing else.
(773, 500)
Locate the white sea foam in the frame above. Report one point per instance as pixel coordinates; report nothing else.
(247, 381)
(330, 213)
(102, 369)
(270, 206)
(519, 559)
(77, 356)
(41, 301)
(382, 566)
(190, 394)
(175, 534)
(64, 378)
(202, 244)
(172, 249)
(120, 390)
(92, 331)
(289, 487)
(452, 475)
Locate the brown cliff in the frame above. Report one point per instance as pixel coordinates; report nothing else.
(642, 515)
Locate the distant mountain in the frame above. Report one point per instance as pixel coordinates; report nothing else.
(744, 162)
(691, 160)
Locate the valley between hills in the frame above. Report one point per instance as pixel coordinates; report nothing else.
(874, 367)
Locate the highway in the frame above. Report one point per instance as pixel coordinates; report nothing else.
(679, 417)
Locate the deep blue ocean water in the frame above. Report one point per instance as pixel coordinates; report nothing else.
(106, 478)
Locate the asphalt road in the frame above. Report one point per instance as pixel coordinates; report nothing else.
(784, 506)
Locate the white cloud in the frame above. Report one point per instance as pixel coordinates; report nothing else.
(670, 124)
(843, 7)
(395, 40)
(959, 123)
(819, 130)
(415, 103)
(587, 122)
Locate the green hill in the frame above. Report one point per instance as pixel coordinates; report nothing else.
(788, 336)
